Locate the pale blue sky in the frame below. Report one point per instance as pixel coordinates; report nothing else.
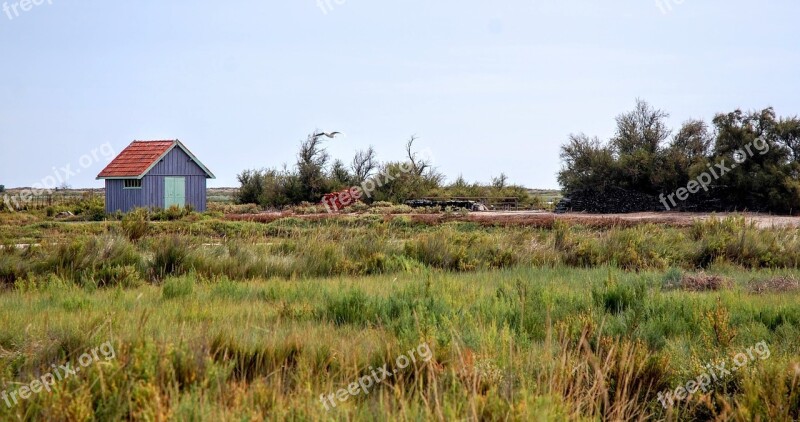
(489, 87)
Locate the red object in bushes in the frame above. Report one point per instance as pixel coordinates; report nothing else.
(338, 201)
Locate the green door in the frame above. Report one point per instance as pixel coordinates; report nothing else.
(174, 191)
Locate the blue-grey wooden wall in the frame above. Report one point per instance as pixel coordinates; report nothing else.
(119, 199)
(151, 195)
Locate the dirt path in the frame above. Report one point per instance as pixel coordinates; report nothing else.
(546, 219)
(672, 218)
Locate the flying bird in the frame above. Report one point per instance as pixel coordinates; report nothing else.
(330, 135)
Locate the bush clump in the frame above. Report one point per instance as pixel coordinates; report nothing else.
(177, 287)
(91, 208)
(136, 223)
(172, 213)
(703, 282)
(171, 257)
(780, 284)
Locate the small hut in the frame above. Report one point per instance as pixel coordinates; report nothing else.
(155, 174)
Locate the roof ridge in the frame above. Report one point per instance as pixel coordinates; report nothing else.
(140, 156)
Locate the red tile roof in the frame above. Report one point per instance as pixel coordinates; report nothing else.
(136, 158)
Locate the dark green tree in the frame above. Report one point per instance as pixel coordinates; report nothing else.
(587, 164)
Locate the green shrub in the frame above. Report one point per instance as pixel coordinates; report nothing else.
(321, 260)
(222, 209)
(357, 208)
(347, 308)
(308, 209)
(171, 257)
(84, 260)
(177, 287)
(367, 254)
(392, 209)
(502, 258)
(672, 278)
(237, 261)
(135, 224)
(562, 237)
(123, 276)
(634, 249)
(401, 222)
(225, 288)
(445, 250)
(173, 213)
(12, 266)
(617, 297)
(91, 208)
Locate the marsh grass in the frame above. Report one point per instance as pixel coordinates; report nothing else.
(216, 320)
(514, 344)
(178, 287)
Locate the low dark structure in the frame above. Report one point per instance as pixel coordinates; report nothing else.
(467, 205)
(608, 201)
(614, 200)
(155, 174)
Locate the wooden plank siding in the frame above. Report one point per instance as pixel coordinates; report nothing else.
(176, 164)
(120, 199)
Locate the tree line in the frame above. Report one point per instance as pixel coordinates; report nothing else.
(759, 153)
(315, 174)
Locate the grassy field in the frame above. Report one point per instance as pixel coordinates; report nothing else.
(213, 320)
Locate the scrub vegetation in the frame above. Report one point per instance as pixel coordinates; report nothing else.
(234, 320)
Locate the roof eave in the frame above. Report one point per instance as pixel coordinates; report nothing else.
(209, 174)
(119, 177)
(176, 142)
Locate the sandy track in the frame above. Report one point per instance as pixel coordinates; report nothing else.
(670, 218)
(544, 219)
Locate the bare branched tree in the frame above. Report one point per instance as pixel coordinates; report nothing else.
(364, 163)
(500, 182)
(312, 153)
(419, 165)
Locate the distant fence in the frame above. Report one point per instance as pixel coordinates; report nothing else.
(495, 204)
(49, 200)
(44, 201)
